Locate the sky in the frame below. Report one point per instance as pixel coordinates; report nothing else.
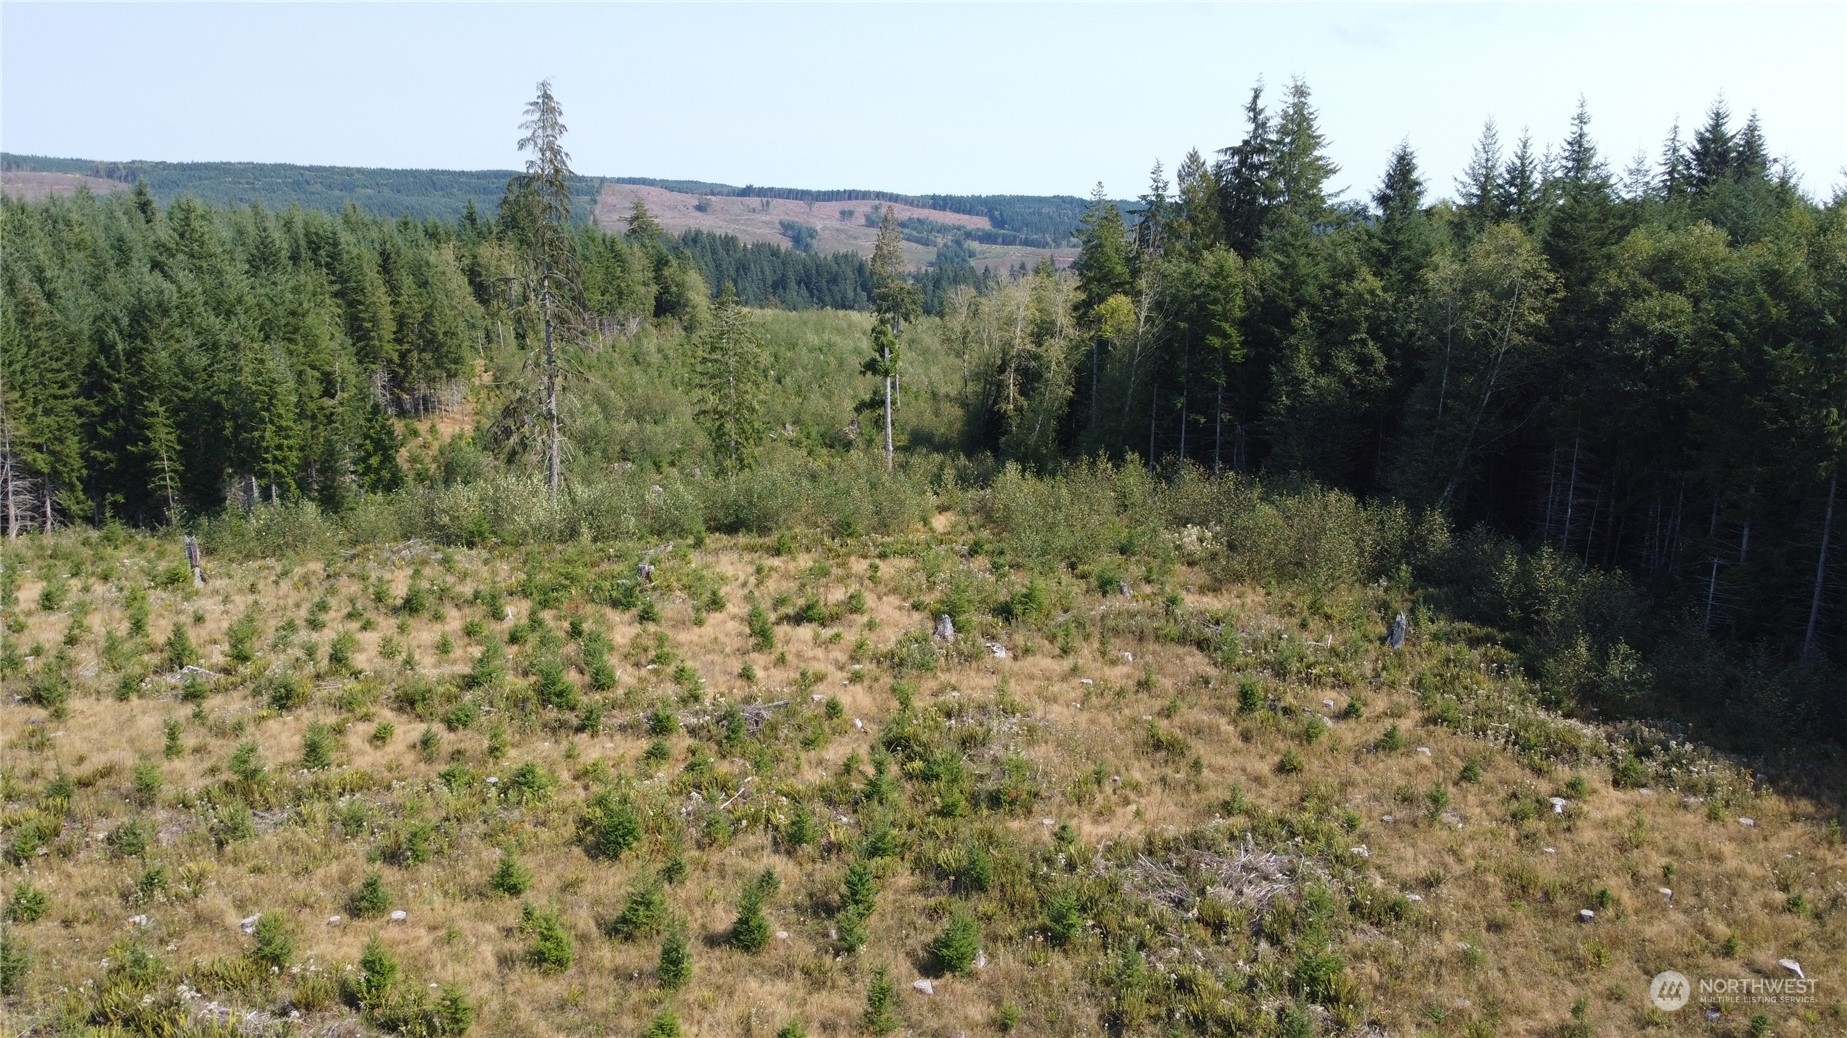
(952, 98)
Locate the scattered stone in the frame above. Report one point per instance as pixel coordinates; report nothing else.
(1388, 819)
(1644, 792)
(859, 724)
(249, 924)
(1792, 966)
(645, 570)
(1585, 915)
(981, 960)
(998, 650)
(333, 920)
(493, 780)
(1122, 588)
(140, 921)
(1667, 892)
(398, 915)
(1085, 681)
(924, 986)
(1558, 805)
(1414, 897)
(816, 698)
(1713, 1013)
(945, 628)
(1327, 704)
(1551, 850)
(782, 935)
(1394, 638)
(1047, 822)
(1423, 751)
(1748, 823)
(1361, 851)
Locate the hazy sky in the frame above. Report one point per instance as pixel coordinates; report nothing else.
(1030, 99)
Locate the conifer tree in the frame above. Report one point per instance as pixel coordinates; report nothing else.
(545, 201)
(730, 372)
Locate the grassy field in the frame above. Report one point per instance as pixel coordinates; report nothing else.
(1141, 792)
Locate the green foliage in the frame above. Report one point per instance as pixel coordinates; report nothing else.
(675, 967)
(318, 743)
(377, 974)
(550, 950)
(956, 947)
(14, 963)
(27, 905)
(371, 899)
(612, 827)
(643, 914)
(665, 1025)
(881, 1015)
(510, 878)
(178, 650)
(275, 942)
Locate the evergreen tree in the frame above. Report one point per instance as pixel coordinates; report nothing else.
(1712, 158)
(1479, 190)
(544, 200)
(1245, 178)
(730, 372)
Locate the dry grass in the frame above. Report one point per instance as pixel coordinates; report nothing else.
(1492, 945)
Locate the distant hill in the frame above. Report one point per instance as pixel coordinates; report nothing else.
(417, 193)
(847, 223)
(1013, 225)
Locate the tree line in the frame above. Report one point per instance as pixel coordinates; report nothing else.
(1644, 371)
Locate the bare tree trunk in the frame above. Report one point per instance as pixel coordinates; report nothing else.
(1154, 403)
(551, 394)
(51, 490)
(891, 390)
(1571, 495)
(1218, 426)
(1811, 639)
(1182, 424)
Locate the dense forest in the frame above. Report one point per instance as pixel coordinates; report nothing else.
(1630, 382)
(418, 193)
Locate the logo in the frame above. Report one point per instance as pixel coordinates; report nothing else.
(1669, 990)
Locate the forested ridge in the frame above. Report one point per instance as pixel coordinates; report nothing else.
(1631, 383)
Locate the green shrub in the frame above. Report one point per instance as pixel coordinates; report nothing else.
(173, 747)
(666, 1025)
(27, 905)
(881, 1016)
(644, 913)
(550, 951)
(377, 974)
(275, 945)
(1064, 920)
(382, 734)
(751, 930)
(612, 827)
(956, 947)
(762, 628)
(1290, 763)
(130, 839)
(317, 747)
(675, 967)
(144, 783)
(510, 877)
(371, 899)
(179, 651)
(14, 963)
(246, 762)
